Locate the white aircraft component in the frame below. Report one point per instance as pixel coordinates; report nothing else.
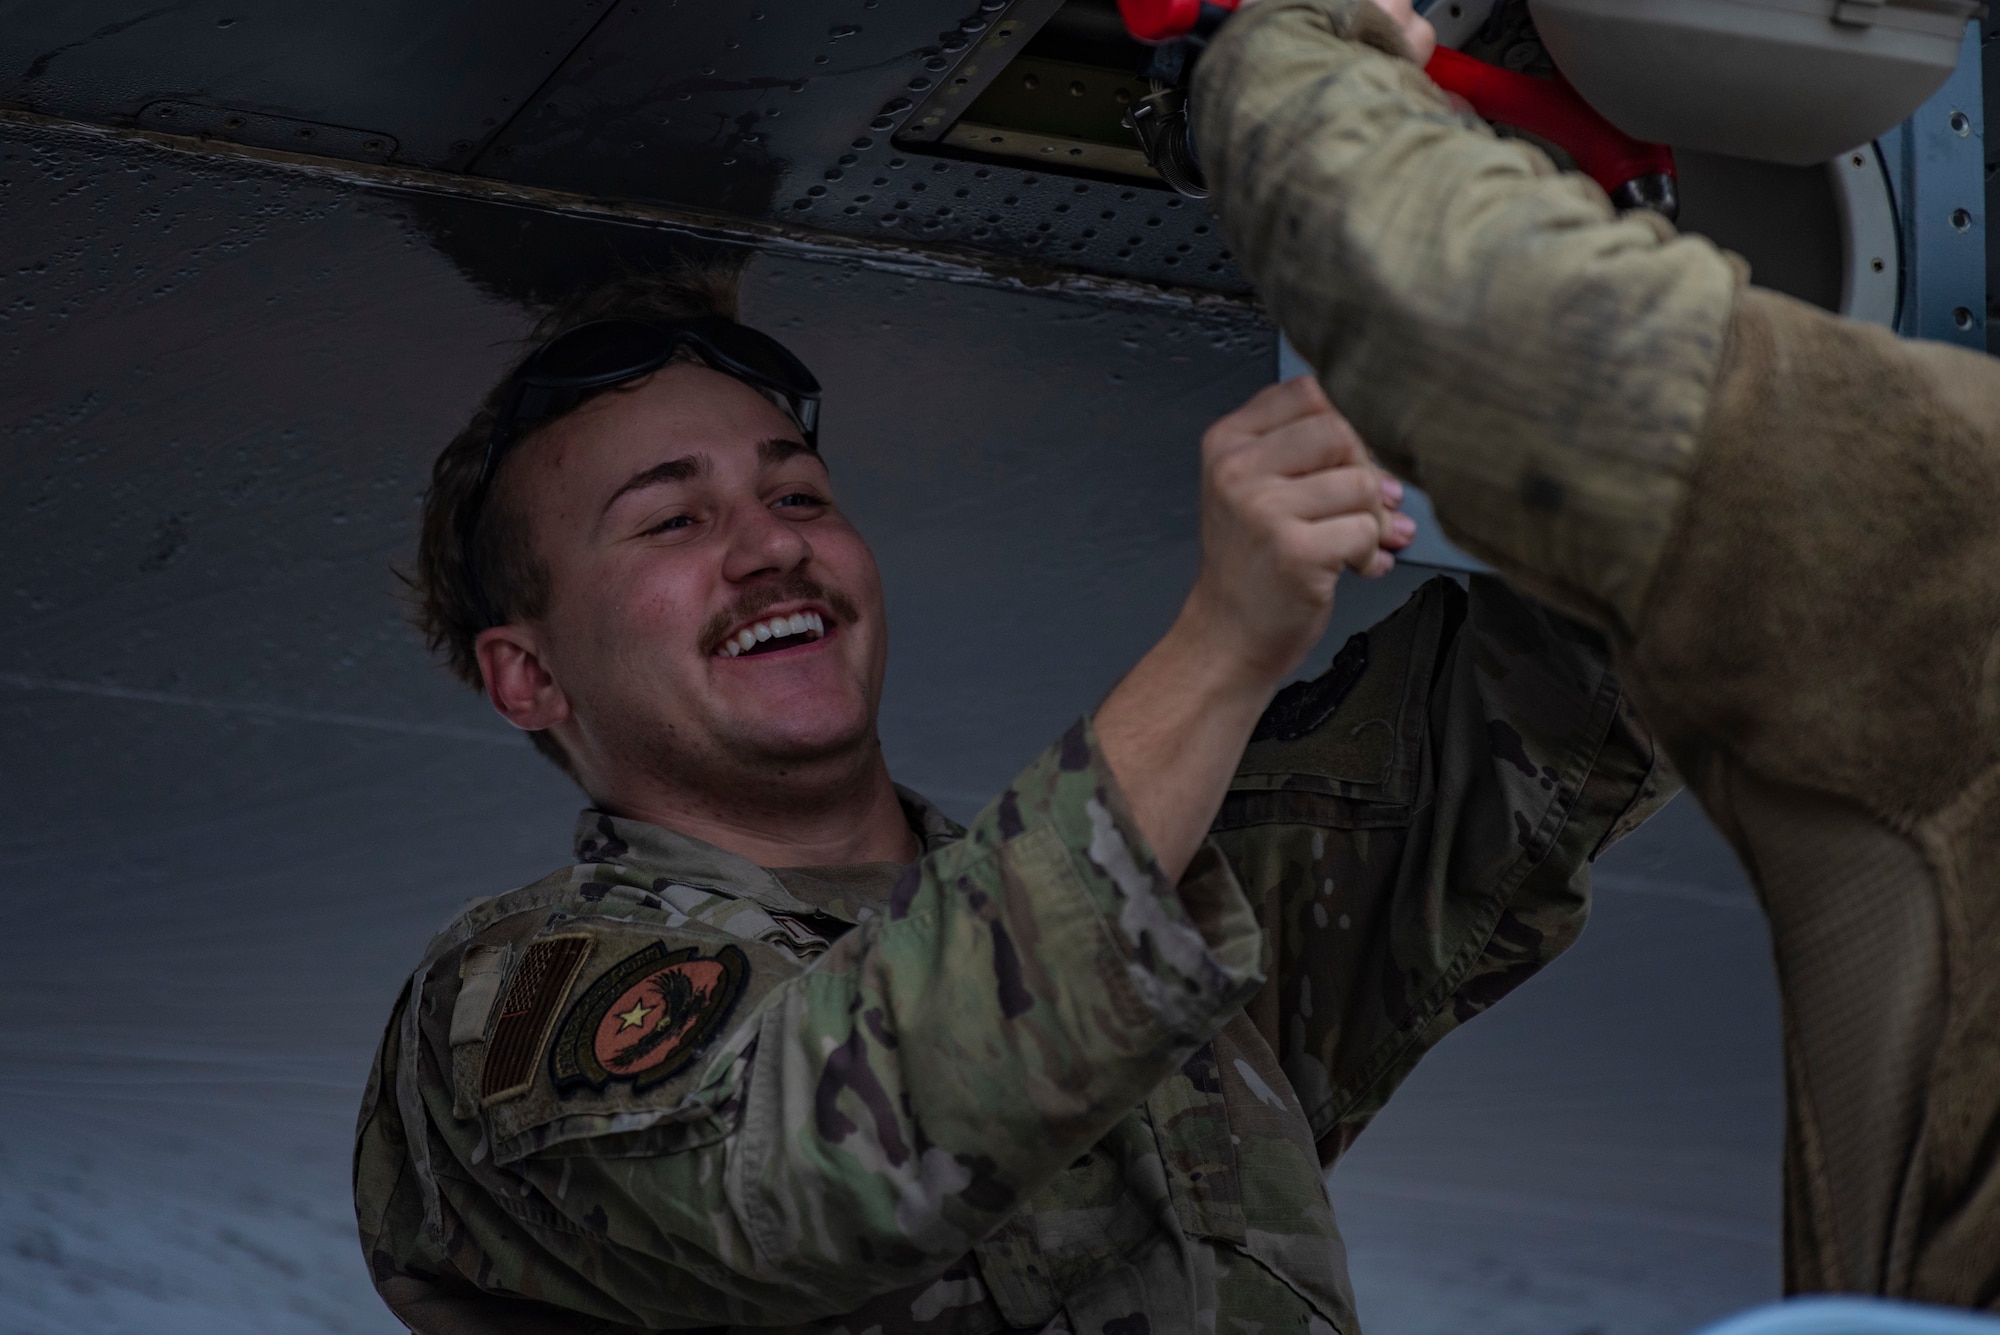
(1793, 81)
(1871, 260)
(1871, 251)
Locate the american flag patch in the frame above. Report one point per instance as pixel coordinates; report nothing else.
(527, 1013)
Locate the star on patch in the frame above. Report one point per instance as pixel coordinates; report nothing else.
(647, 1017)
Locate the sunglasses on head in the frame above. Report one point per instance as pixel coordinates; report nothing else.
(580, 362)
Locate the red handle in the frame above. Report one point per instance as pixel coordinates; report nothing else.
(1164, 20)
(1548, 108)
(1552, 110)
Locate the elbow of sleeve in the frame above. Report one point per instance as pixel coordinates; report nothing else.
(833, 1198)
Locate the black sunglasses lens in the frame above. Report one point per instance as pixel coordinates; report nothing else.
(600, 353)
(763, 355)
(594, 356)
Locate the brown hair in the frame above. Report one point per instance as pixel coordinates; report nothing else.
(450, 576)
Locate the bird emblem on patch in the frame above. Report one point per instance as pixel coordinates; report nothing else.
(647, 1017)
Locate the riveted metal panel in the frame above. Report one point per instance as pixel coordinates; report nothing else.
(1936, 159)
(1052, 219)
(741, 108)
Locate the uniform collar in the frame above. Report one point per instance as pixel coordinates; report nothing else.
(655, 853)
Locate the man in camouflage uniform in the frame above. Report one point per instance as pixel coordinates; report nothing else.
(787, 1048)
(1787, 524)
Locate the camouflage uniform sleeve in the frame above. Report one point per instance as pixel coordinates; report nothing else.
(1388, 232)
(1416, 828)
(864, 1120)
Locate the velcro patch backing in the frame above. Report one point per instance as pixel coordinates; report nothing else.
(528, 1012)
(480, 974)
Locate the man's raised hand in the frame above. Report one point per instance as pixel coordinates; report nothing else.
(1417, 31)
(1289, 499)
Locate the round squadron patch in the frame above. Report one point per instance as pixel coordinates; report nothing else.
(647, 1017)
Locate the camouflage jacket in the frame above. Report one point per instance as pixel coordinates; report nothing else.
(1024, 1083)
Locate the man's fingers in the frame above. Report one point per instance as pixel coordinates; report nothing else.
(1305, 445)
(1339, 493)
(1273, 406)
(1346, 542)
(1332, 492)
(1416, 29)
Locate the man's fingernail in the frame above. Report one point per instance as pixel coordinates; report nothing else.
(1403, 526)
(1392, 490)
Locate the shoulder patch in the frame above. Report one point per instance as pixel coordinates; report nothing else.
(647, 1017)
(540, 981)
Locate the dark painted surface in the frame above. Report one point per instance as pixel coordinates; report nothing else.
(1781, 219)
(237, 798)
(439, 79)
(740, 106)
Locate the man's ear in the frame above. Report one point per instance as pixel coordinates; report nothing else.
(518, 681)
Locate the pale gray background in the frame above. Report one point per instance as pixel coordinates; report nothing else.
(237, 799)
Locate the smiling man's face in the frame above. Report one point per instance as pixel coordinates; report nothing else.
(712, 613)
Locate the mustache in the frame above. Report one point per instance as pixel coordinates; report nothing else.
(793, 588)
